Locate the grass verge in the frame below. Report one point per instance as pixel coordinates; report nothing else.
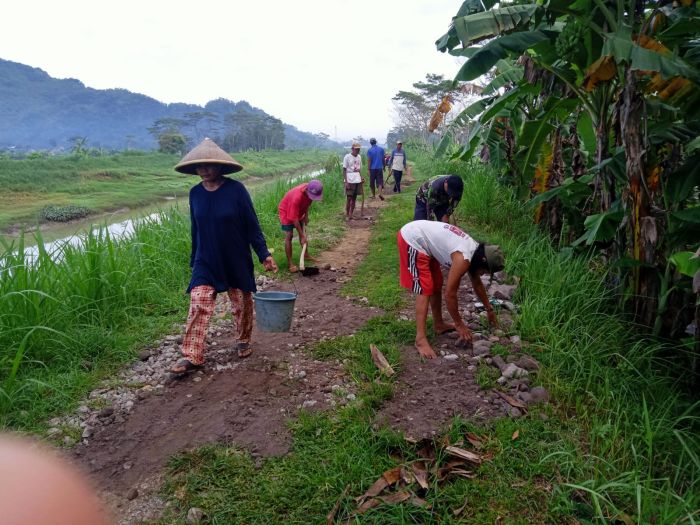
(111, 182)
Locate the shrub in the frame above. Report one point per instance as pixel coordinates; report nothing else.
(64, 213)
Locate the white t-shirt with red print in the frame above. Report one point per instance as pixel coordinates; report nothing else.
(353, 166)
(439, 240)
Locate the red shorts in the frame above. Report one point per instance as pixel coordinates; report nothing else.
(418, 272)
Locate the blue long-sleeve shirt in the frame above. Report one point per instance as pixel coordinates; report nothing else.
(397, 152)
(224, 227)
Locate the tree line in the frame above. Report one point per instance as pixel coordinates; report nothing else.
(237, 131)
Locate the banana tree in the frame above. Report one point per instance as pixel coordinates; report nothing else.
(622, 79)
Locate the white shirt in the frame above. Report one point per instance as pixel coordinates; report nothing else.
(353, 167)
(397, 164)
(439, 240)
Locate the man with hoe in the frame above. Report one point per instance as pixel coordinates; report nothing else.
(437, 198)
(425, 246)
(352, 166)
(294, 215)
(375, 167)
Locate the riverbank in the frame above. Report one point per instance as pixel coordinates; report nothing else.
(90, 188)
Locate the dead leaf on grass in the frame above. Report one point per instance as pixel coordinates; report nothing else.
(330, 519)
(420, 472)
(475, 440)
(511, 400)
(391, 499)
(419, 502)
(472, 457)
(515, 435)
(407, 476)
(463, 473)
(381, 362)
(387, 479)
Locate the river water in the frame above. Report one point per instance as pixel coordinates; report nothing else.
(120, 224)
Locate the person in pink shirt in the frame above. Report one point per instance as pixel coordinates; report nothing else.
(294, 215)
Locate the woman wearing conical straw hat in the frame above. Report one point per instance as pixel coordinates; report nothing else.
(224, 228)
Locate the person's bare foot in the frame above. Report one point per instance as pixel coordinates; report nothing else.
(444, 328)
(293, 268)
(424, 349)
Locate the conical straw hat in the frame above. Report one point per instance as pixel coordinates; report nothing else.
(207, 152)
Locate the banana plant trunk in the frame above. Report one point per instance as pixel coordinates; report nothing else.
(642, 232)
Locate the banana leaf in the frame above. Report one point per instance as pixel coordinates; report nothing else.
(450, 40)
(570, 192)
(487, 24)
(508, 73)
(601, 226)
(535, 132)
(461, 120)
(680, 183)
(499, 48)
(686, 262)
(467, 151)
(621, 46)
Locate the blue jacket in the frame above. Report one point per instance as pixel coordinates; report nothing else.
(224, 227)
(391, 160)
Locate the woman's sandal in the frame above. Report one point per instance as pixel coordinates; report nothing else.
(244, 350)
(184, 367)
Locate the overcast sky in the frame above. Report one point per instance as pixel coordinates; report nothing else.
(326, 66)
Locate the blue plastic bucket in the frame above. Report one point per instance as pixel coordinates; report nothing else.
(274, 310)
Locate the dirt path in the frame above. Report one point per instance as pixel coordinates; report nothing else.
(127, 443)
(241, 401)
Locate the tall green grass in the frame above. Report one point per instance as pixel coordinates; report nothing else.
(68, 318)
(640, 433)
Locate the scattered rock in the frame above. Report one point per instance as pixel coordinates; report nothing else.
(451, 357)
(502, 291)
(144, 355)
(511, 370)
(106, 412)
(326, 266)
(53, 431)
(132, 494)
(525, 397)
(539, 394)
(527, 362)
(309, 403)
(498, 361)
(513, 411)
(195, 515)
(482, 347)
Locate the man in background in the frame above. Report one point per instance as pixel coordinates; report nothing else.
(375, 167)
(352, 166)
(397, 161)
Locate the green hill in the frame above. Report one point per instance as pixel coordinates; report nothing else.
(41, 112)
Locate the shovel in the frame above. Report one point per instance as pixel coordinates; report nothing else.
(306, 271)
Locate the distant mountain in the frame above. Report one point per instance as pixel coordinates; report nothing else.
(41, 112)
